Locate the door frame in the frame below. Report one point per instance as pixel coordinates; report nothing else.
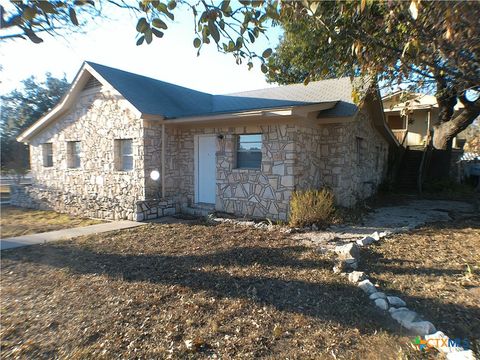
(196, 162)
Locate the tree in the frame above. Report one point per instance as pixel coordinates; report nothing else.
(20, 109)
(429, 45)
(420, 44)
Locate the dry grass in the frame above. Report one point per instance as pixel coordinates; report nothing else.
(187, 291)
(436, 269)
(15, 221)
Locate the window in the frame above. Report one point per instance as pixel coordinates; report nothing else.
(249, 151)
(396, 122)
(47, 152)
(360, 150)
(124, 152)
(73, 154)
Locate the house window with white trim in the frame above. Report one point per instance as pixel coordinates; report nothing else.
(73, 154)
(47, 153)
(249, 151)
(124, 154)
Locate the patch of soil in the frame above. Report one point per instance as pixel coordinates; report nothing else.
(436, 269)
(187, 291)
(16, 221)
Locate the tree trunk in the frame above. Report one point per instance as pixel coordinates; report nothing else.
(446, 131)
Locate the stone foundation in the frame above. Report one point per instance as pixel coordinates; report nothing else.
(153, 209)
(94, 206)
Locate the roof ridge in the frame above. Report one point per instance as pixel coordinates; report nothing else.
(94, 64)
(284, 86)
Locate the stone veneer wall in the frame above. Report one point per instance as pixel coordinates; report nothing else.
(97, 188)
(260, 193)
(293, 157)
(328, 157)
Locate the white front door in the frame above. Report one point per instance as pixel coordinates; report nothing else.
(206, 169)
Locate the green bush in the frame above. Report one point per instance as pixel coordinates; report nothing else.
(311, 207)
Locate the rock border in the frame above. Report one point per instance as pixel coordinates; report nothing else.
(348, 258)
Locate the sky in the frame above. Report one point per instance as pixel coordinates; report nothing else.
(112, 42)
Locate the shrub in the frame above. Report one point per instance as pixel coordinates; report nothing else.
(311, 207)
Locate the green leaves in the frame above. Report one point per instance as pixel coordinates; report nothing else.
(212, 28)
(142, 25)
(267, 53)
(47, 7)
(159, 23)
(157, 33)
(148, 36)
(29, 13)
(197, 42)
(172, 4)
(140, 40)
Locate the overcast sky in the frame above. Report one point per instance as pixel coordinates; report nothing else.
(112, 42)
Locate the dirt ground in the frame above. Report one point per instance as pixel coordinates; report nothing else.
(15, 221)
(436, 269)
(187, 291)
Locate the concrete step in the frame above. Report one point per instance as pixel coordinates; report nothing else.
(199, 209)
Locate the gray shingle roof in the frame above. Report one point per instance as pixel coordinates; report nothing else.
(155, 97)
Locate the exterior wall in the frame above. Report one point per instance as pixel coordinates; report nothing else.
(328, 157)
(293, 157)
(96, 189)
(261, 193)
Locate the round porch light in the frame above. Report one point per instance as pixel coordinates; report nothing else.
(155, 175)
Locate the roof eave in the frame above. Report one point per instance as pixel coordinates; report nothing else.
(295, 110)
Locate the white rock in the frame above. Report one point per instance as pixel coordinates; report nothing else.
(356, 276)
(396, 301)
(381, 303)
(420, 327)
(367, 286)
(367, 240)
(461, 355)
(393, 309)
(189, 344)
(404, 317)
(347, 251)
(378, 295)
(375, 236)
(384, 234)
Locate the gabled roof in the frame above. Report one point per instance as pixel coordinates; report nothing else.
(155, 97)
(151, 98)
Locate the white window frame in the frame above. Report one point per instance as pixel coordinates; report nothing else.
(238, 150)
(47, 154)
(74, 158)
(122, 153)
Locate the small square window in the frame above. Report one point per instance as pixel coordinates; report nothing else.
(47, 152)
(73, 154)
(249, 151)
(124, 153)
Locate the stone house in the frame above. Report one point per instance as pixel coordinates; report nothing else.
(124, 146)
